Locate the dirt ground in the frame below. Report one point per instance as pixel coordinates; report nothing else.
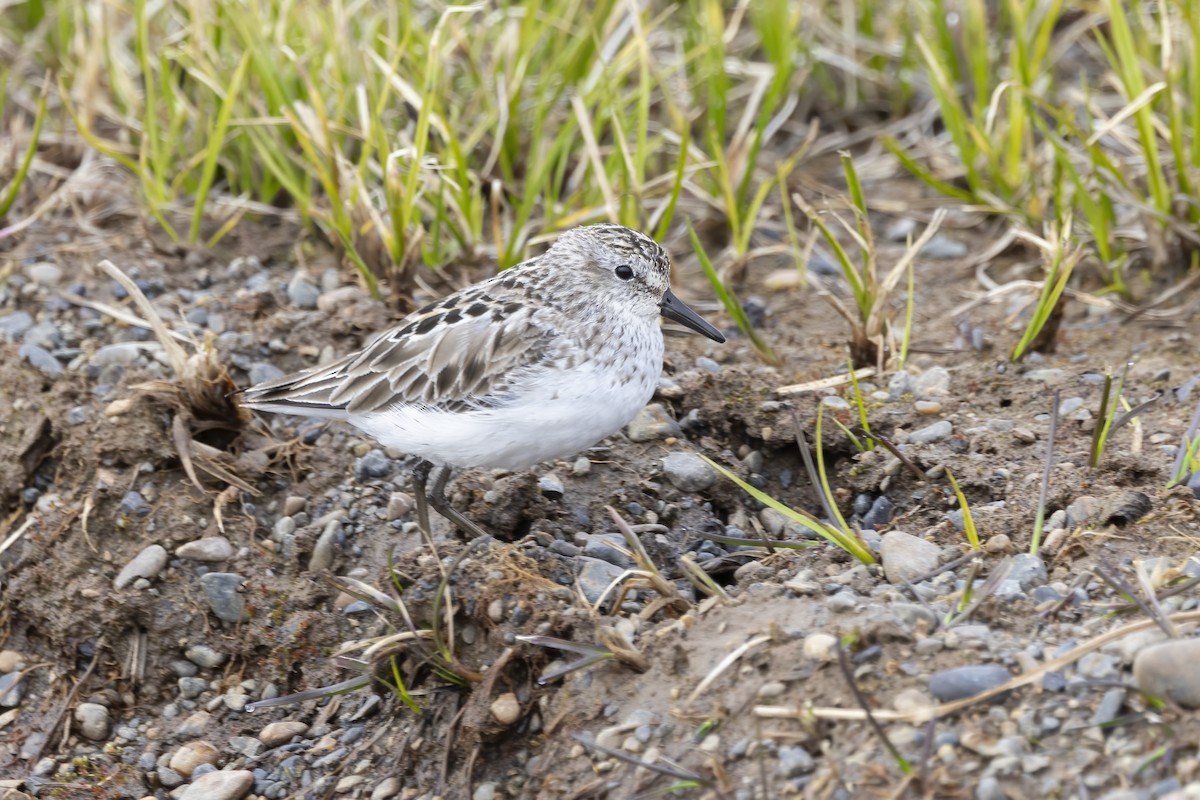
(717, 698)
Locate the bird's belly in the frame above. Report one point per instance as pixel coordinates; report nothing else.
(553, 419)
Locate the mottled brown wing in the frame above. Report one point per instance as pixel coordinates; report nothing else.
(447, 357)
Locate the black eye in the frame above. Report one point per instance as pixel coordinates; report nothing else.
(624, 272)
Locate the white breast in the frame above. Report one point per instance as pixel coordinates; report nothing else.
(557, 413)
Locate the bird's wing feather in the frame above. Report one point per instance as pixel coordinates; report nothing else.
(448, 355)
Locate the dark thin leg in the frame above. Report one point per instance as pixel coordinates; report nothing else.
(425, 495)
(420, 476)
(440, 503)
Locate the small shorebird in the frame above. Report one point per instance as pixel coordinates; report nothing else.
(538, 362)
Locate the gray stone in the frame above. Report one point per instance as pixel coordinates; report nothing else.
(14, 325)
(595, 576)
(933, 382)
(44, 273)
(652, 422)
(302, 292)
(1109, 708)
(12, 689)
(373, 465)
(1028, 570)
(688, 472)
(1082, 509)
(205, 656)
(146, 564)
(932, 433)
(40, 359)
(261, 372)
(1169, 670)
(399, 504)
(941, 247)
(794, 761)
(550, 486)
(224, 595)
(610, 547)
(134, 503)
(93, 721)
(842, 602)
(323, 550)
(208, 550)
(959, 683)
(220, 785)
(906, 557)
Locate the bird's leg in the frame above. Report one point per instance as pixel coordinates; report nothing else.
(420, 476)
(438, 499)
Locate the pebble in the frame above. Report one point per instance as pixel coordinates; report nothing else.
(275, 734)
(880, 513)
(208, 550)
(10, 660)
(191, 755)
(219, 785)
(133, 503)
(204, 656)
(906, 557)
(794, 761)
(581, 467)
(933, 382)
(652, 422)
(302, 292)
(484, 791)
(595, 576)
(146, 564)
(399, 504)
(927, 407)
(44, 273)
(387, 789)
(40, 359)
(323, 551)
(14, 325)
(551, 486)
(294, 504)
(506, 709)
(688, 472)
(373, 465)
(932, 433)
(1027, 570)
(843, 602)
(941, 247)
(959, 683)
(1168, 669)
(93, 721)
(821, 647)
(610, 547)
(224, 595)
(263, 371)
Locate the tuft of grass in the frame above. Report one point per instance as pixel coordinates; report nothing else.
(1062, 254)
(872, 338)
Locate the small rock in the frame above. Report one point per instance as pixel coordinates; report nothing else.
(506, 709)
(610, 547)
(941, 247)
(323, 551)
(652, 422)
(133, 503)
(12, 689)
(999, 544)
(10, 660)
(906, 557)
(208, 550)
(146, 564)
(932, 433)
(794, 761)
(581, 467)
(1169, 670)
(399, 504)
(40, 359)
(220, 785)
(14, 325)
(688, 472)
(1027, 570)
(302, 292)
(280, 733)
(387, 789)
(551, 486)
(262, 371)
(821, 647)
(204, 656)
(927, 407)
(93, 721)
(962, 682)
(373, 465)
(294, 504)
(223, 590)
(932, 383)
(484, 791)
(595, 576)
(191, 755)
(843, 602)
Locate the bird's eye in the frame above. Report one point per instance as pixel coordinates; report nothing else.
(624, 272)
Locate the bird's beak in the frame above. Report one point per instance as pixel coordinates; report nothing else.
(673, 308)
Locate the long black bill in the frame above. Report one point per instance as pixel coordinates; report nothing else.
(675, 309)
